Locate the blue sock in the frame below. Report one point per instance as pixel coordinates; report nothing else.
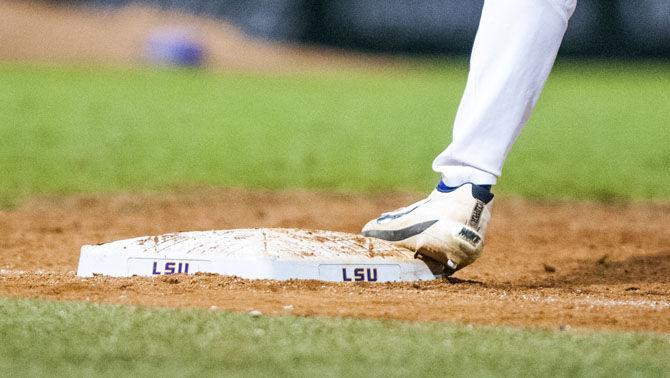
(442, 187)
(481, 192)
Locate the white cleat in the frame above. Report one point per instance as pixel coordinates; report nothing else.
(448, 227)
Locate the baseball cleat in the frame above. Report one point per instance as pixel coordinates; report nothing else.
(448, 227)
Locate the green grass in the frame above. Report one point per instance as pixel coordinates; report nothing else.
(65, 339)
(600, 131)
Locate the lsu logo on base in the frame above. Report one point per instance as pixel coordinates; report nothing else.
(159, 267)
(359, 274)
(169, 267)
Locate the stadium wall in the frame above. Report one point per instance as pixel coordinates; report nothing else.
(600, 28)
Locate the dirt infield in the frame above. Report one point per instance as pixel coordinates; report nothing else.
(551, 265)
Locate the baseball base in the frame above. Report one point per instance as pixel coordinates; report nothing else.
(264, 253)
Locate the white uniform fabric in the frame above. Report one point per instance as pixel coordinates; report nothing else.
(513, 53)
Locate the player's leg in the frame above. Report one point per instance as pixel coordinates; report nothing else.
(514, 51)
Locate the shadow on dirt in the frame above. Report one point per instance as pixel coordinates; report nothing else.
(647, 269)
(459, 281)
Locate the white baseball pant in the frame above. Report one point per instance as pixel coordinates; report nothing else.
(513, 53)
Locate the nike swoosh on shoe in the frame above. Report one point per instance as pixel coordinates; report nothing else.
(395, 215)
(402, 234)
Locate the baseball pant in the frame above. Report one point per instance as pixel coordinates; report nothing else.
(513, 53)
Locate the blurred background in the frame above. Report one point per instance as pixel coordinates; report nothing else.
(246, 33)
(314, 94)
(598, 28)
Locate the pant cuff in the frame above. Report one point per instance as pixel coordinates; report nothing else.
(455, 175)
